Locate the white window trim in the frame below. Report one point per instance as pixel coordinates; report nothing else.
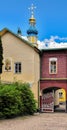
(52, 59)
(14, 67)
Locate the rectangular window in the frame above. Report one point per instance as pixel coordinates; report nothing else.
(17, 67)
(60, 95)
(53, 66)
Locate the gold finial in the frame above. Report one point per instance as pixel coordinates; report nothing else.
(32, 9)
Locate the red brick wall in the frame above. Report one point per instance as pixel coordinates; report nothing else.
(61, 64)
(53, 83)
(61, 56)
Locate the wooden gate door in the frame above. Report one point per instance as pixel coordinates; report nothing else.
(47, 102)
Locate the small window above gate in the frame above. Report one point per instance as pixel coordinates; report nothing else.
(53, 65)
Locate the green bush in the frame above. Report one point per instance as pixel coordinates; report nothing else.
(16, 99)
(1, 55)
(10, 102)
(27, 98)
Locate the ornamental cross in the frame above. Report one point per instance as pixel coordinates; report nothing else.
(32, 9)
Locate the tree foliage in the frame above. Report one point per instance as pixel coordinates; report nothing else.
(1, 56)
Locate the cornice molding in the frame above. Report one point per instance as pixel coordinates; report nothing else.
(56, 79)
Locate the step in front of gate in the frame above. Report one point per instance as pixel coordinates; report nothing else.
(47, 110)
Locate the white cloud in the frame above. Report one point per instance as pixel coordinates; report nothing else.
(52, 38)
(24, 37)
(51, 43)
(41, 45)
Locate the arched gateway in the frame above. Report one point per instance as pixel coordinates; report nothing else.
(53, 79)
(53, 99)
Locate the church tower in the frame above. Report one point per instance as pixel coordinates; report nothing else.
(32, 31)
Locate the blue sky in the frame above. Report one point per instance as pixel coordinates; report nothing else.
(51, 16)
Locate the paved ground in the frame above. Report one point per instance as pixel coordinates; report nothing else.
(44, 121)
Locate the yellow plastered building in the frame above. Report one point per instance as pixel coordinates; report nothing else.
(21, 61)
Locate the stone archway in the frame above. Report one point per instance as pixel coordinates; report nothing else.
(60, 100)
(53, 99)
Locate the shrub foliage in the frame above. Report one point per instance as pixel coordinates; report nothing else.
(1, 56)
(16, 99)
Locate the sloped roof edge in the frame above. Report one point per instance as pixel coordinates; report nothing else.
(5, 30)
(54, 49)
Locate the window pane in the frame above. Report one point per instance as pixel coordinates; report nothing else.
(53, 67)
(60, 95)
(17, 67)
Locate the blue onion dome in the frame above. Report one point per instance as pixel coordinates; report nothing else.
(32, 30)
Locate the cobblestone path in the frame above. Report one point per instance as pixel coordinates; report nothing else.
(44, 121)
